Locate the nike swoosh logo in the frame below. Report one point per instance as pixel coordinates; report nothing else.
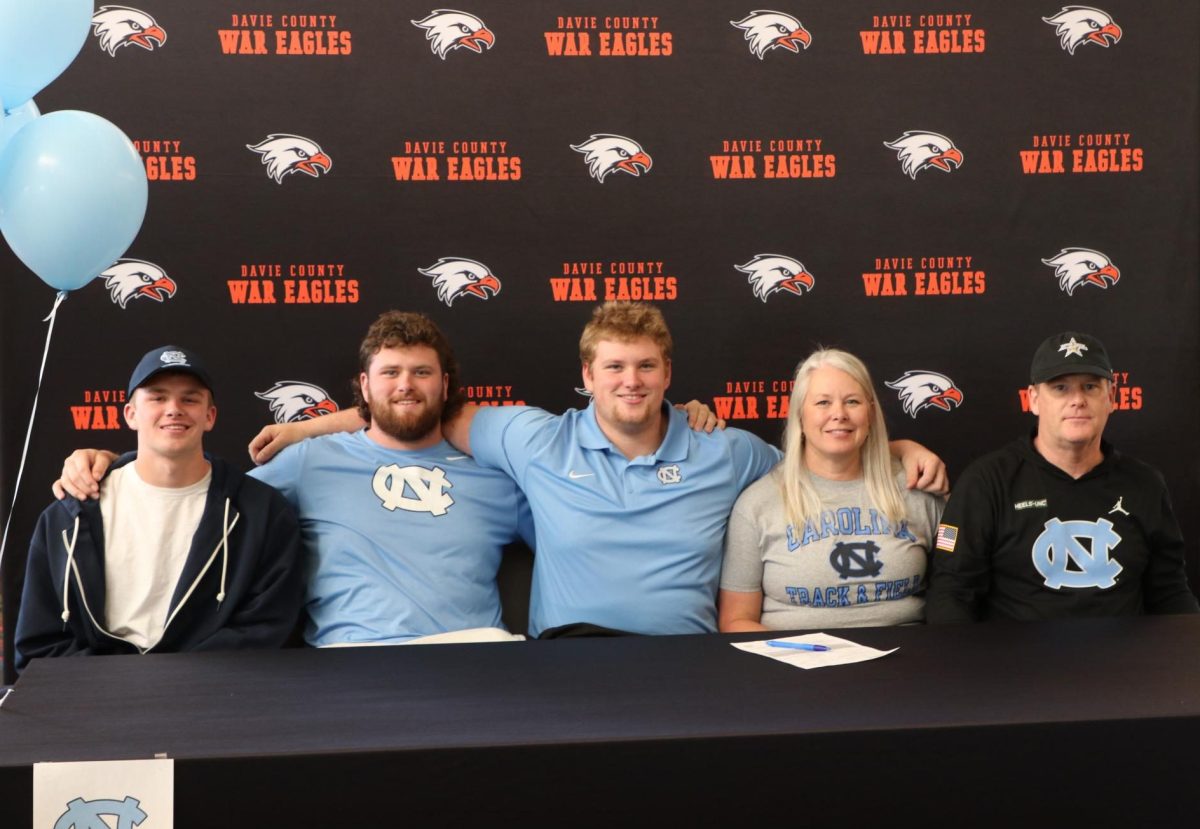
(575, 476)
(457, 457)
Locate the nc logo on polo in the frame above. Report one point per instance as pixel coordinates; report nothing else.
(1061, 544)
(412, 488)
(669, 474)
(86, 814)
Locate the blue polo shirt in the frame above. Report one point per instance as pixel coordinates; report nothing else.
(627, 544)
(398, 544)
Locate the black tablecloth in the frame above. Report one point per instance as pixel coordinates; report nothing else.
(1090, 720)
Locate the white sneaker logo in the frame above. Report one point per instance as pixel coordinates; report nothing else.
(575, 476)
(1118, 508)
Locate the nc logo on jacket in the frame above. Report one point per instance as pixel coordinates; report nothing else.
(86, 814)
(1061, 544)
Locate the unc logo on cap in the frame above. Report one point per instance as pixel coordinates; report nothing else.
(173, 358)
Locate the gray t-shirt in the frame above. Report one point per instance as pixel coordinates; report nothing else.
(849, 569)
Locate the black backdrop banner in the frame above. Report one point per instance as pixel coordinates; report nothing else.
(936, 186)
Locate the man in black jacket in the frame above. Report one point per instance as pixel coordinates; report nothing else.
(1060, 524)
(181, 552)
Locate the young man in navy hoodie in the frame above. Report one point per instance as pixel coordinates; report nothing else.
(180, 553)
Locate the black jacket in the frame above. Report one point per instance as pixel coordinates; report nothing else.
(1021, 539)
(251, 557)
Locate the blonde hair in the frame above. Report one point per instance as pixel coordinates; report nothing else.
(624, 321)
(800, 498)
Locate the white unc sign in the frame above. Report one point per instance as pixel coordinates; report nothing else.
(412, 488)
(669, 474)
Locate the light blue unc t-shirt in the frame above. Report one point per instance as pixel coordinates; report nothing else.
(397, 544)
(628, 544)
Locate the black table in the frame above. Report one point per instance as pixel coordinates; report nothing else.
(1089, 722)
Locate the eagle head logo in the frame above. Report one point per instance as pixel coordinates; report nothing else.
(291, 401)
(769, 273)
(606, 154)
(454, 277)
(447, 29)
(1080, 25)
(285, 154)
(1082, 266)
(923, 389)
(919, 150)
(131, 279)
(117, 26)
(767, 30)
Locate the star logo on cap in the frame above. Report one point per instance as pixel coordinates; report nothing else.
(1073, 348)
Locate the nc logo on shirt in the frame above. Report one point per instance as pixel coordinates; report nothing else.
(669, 474)
(1062, 543)
(855, 559)
(412, 488)
(86, 814)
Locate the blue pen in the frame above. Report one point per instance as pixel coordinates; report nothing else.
(797, 646)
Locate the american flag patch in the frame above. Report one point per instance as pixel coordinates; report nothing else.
(947, 536)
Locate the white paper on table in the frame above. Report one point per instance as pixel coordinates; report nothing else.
(841, 651)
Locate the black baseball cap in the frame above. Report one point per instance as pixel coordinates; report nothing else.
(168, 358)
(1070, 352)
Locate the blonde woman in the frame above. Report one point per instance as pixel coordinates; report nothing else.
(830, 537)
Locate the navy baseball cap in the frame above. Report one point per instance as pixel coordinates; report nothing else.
(1070, 353)
(168, 358)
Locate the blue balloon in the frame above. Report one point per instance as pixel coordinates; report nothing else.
(10, 122)
(72, 196)
(38, 40)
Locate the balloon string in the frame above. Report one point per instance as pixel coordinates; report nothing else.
(62, 295)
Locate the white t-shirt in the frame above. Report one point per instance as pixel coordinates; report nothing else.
(147, 534)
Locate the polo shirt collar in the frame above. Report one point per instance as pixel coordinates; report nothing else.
(673, 448)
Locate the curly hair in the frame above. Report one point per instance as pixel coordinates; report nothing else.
(401, 329)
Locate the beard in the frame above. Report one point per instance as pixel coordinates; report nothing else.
(406, 427)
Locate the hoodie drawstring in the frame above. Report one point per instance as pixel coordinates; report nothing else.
(224, 551)
(70, 545)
